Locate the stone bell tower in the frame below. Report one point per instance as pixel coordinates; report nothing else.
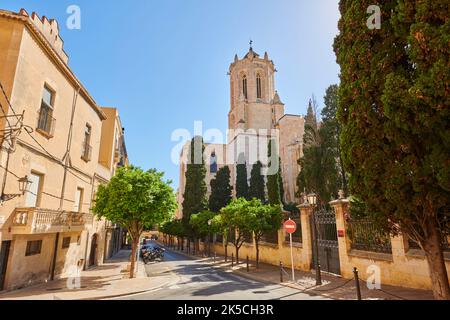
(255, 103)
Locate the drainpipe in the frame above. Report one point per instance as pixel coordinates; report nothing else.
(66, 158)
(55, 255)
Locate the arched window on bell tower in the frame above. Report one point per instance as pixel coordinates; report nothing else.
(244, 87)
(258, 86)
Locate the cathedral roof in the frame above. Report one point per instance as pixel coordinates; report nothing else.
(251, 54)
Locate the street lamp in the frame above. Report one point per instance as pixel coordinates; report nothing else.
(312, 200)
(209, 237)
(24, 186)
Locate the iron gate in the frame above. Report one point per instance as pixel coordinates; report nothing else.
(324, 222)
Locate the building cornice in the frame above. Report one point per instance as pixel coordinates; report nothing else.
(54, 57)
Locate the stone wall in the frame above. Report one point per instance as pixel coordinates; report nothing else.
(404, 267)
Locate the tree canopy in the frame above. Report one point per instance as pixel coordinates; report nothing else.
(257, 184)
(273, 181)
(135, 199)
(194, 196)
(241, 178)
(221, 190)
(394, 111)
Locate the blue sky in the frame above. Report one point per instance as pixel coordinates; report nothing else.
(164, 63)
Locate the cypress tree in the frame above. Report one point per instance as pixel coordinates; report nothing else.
(257, 187)
(241, 178)
(280, 181)
(394, 111)
(273, 186)
(195, 199)
(333, 128)
(221, 190)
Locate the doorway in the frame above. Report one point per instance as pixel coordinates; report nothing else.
(4, 254)
(93, 254)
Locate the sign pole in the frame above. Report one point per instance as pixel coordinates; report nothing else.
(292, 259)
(290, 227)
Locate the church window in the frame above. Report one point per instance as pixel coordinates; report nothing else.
(244, 87)
(213, 163)
(258, 86)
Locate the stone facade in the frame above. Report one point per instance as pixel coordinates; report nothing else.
(53, 133)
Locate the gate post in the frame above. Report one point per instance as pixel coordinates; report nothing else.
(340, 207)
(305, 215)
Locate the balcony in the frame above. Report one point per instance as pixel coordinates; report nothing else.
(46, 123)
(38, 220)
(86, 152)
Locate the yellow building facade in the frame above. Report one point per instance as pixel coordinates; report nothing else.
(53, 137)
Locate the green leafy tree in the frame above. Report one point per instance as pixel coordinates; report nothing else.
(257, 185)
(263, 219)
(221, 190)
(195, 199)
(135, 199)
(237, 217)
(173, 228)
(394, 111)
(202, 224)
(273, 186)
(241, 178)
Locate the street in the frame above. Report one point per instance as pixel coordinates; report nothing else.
(198, 280)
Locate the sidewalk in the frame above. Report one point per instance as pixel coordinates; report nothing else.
(333, 287)
(107, 281)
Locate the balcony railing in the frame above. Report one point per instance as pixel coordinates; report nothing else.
(40, 220)
(86, 152)
(45, 122)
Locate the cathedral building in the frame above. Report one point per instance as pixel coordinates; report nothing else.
(256, 116)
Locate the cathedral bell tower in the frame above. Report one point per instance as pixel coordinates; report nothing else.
(255, 103)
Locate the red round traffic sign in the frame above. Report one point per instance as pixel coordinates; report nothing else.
(290, 226)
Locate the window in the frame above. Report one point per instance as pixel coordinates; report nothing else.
(78, 200)
(66, 242)
(258, 86)
(244, 87)
(46, 122)
(213, 163)
(33, 248)
(87, 149)
(34, 193)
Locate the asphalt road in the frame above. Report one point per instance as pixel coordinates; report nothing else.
(197, 280)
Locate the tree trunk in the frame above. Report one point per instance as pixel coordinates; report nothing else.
(226, 252)
(257, 253)
(436, 262)
(134, 245)
(237, 255)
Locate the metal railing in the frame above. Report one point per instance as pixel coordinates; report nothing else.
(445, 244)
(45, 121)
(86, 152)
(270, 237)
(365, 236)
(248, 237)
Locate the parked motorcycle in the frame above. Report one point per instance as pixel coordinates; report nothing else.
(153, 254)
